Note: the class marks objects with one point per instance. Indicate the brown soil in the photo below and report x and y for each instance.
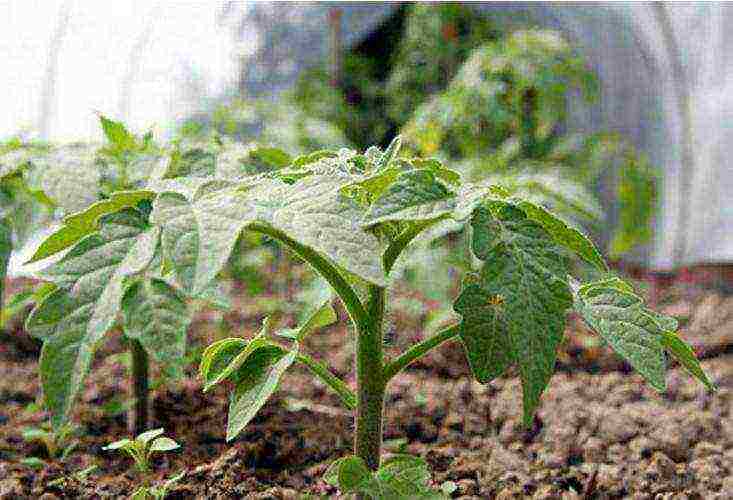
(600, 432)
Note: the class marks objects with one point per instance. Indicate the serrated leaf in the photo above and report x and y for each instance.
(414, 195)
(523, 281)
(258, 380)
(147, 436)
(75, 317)
(117, 133)
(77, 226)
(311, 211)
(565, 235)
(155, 314)
(624, 323)
(352, 474)
(683, 353)
(163, 444)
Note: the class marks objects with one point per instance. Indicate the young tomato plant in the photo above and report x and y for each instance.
(350, 216)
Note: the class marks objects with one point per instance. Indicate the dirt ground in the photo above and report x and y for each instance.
(600, 431)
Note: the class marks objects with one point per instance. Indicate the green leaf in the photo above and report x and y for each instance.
(484, 332)
(77, 226)
(164, 444)
(686, 357)
(147, 436)
(217, 356)
(73, 319)
(273, 157)
(122, 443)
(400, 476)
(390, 153)
(621, 320)
(525, 294)
(156, 315)
(222, 362)
(117, 134)
(258, 380)
(565, 235)
(310, 211)
(415, 195)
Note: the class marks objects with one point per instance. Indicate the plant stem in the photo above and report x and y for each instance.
(370, 384)
(138, 416)
(417, 351)
(528, 139)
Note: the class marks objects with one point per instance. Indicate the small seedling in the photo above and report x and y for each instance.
(141, 450)
(143, 446)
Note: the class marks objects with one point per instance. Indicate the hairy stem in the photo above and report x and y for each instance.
(370, 384)
(138, 417)
(417, 351)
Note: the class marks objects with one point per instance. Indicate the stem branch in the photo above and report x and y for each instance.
(417, 351)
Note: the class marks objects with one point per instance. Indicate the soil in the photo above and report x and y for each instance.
(600, 431)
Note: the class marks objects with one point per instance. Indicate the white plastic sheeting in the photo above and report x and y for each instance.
(148, 63)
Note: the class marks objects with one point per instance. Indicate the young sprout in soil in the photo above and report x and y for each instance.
(141, 450)
(350, 216)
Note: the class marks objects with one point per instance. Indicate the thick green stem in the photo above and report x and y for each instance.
(138, 417)
(370, 384)
(417, 351)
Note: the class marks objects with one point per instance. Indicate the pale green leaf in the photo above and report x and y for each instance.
(147, 436)
(163, 444)
(116, 133)
(621, 319)
(684, 354)
(122, 443)
(75, 317)
(565, 235)
(77, 226)
(414, 195)
(524, 288)
(311, 211)
(155, 314)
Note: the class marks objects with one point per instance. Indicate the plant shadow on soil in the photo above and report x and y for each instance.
(600, 432)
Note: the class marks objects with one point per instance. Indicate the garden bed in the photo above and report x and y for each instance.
(600, 431)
